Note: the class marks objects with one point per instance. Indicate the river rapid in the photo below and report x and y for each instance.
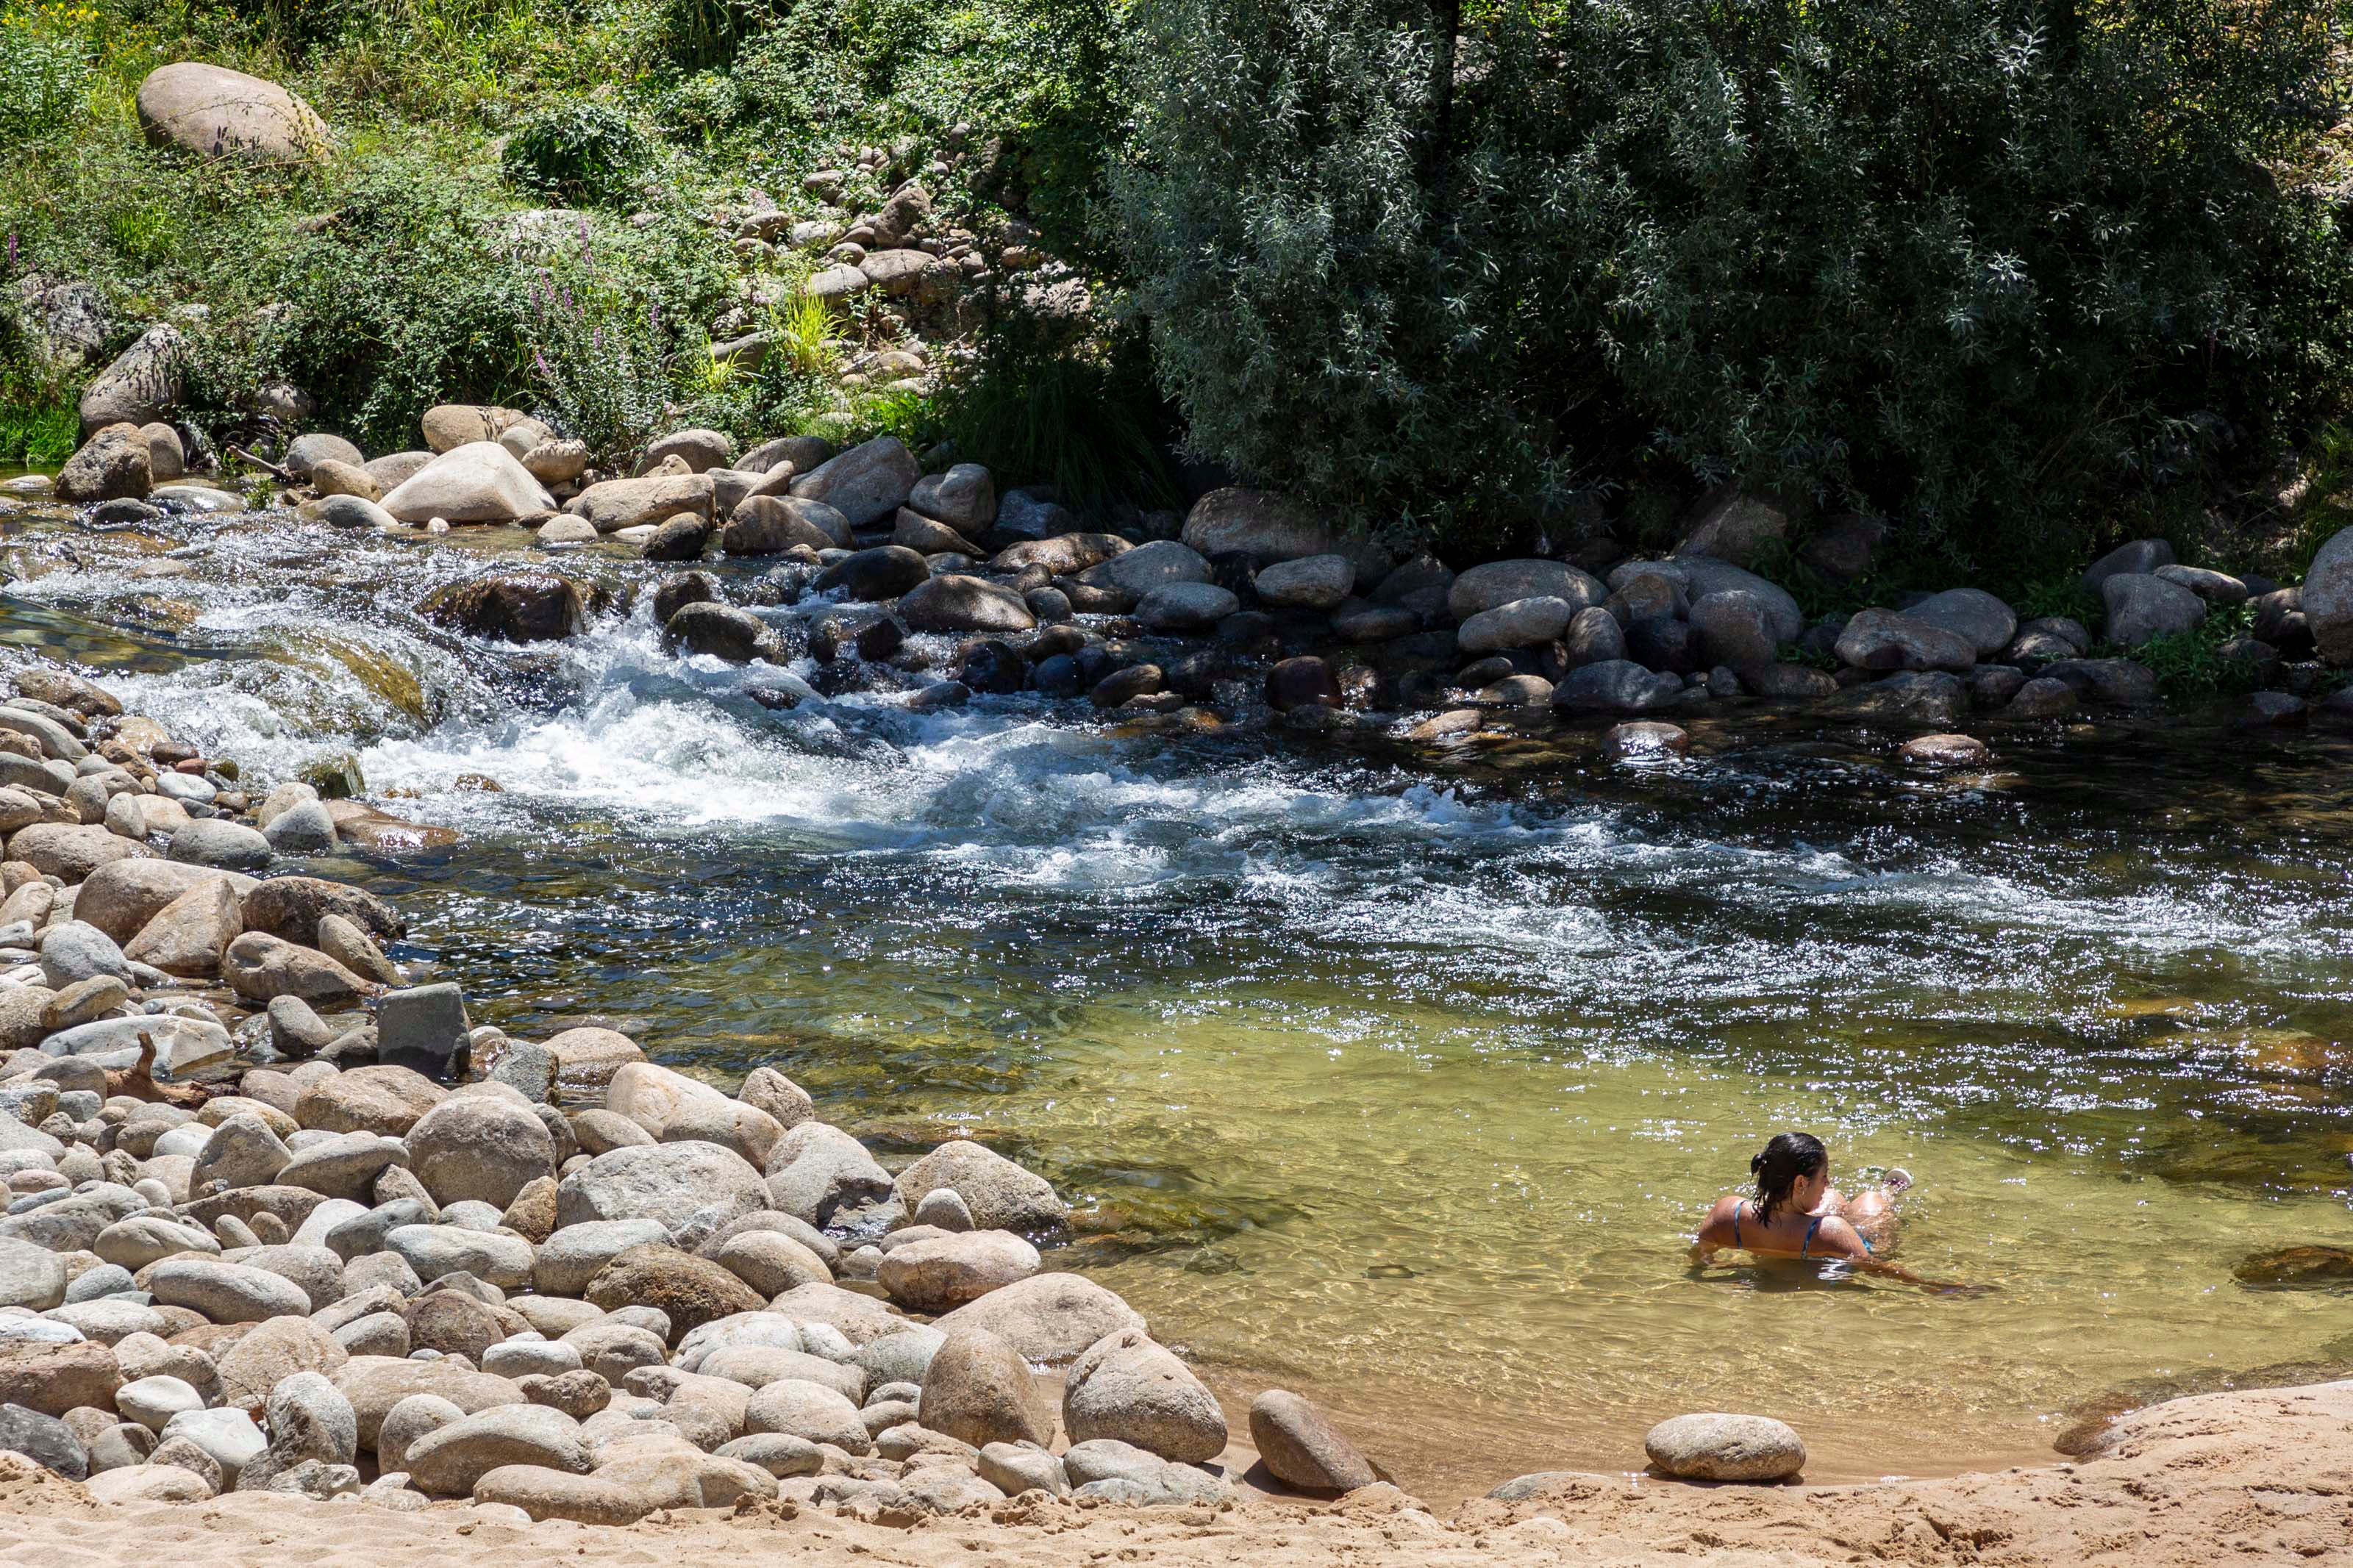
(1397, 1075)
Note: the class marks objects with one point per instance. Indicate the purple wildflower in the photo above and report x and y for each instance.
(540, 360)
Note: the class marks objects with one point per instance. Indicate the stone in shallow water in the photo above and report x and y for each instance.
(2316, 1267)
(1645, 740)
(1716, 1447)
(1943, 751)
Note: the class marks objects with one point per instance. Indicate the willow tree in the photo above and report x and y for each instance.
(1978, 264)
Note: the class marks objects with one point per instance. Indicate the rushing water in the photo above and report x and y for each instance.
(1399, 1077)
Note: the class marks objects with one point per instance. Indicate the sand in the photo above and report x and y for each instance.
(2253, 1477)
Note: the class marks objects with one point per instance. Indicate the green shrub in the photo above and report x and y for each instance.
(1083, 415)
(43, 75)
(1990, 267)
(2192, 665)
(37, 435)
(577, 150)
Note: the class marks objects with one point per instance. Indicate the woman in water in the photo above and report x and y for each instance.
(1796, 1213)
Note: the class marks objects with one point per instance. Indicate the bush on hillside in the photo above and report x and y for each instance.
(1986, 266)
(577, 150)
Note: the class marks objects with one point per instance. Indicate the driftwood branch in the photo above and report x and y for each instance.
(242, 455)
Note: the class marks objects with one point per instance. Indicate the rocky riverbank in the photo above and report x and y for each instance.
(282, 1221)
(873, 569)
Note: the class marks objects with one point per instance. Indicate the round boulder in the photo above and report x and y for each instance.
(1131, 1389)
(1712, 1446)
(482, 1147)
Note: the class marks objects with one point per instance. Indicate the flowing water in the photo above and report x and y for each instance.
(1399, 1077)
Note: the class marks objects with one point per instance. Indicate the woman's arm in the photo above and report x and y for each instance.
(1838, 1236)
(1714, 1231)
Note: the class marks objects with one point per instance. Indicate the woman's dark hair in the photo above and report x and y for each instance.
(1789, 1156)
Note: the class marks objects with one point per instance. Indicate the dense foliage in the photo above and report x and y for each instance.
(1986, 266)
(577, 150)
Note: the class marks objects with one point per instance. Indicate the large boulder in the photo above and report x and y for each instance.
(999, 1193)
(53, 1379)
(216, 112)
(723, 631)
(383, 1099)
(1128, 1388)
(31, 1276)
(226, 1292)
(111, 465)
(2326, 598)
(1733, 525)
(2141, 555)
(1885, 640)
(72, 852)
(669, 1183)
(123, 896)
(259, 967)
(1972, 613)
(481, 1147)
(1614, 686)
(965, 498)
(188, 936)
(1047, 1318)
(273, 1352)
(447, 1461)
(941, 1273)
(980, 1390)
(1265, 523)
(1500, 582)
(141, 384)
(515, 607)
(1137, 572)
(865, 484)
(2143, 607)
(816, 1172)
(616, 504)
(884, 572)
(480, 481)
(689, 1290)
(374, 1384)
(957, 603)
(771, 524)
(450, 426)
(292, 907)
(1521, 623)
(1302, 1449)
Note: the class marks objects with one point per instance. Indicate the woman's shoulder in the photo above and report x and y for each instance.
(1723, 1209)
(1833, 1231)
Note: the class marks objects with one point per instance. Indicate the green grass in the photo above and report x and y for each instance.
(37, 435)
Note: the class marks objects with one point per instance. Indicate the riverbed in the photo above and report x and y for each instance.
(1397, 1075)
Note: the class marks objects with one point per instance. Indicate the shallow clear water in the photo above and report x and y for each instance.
(1399, 1077)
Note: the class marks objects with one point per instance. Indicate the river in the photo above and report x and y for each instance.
(1399, 1075)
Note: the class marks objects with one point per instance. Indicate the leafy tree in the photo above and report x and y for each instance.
(1982, 265)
